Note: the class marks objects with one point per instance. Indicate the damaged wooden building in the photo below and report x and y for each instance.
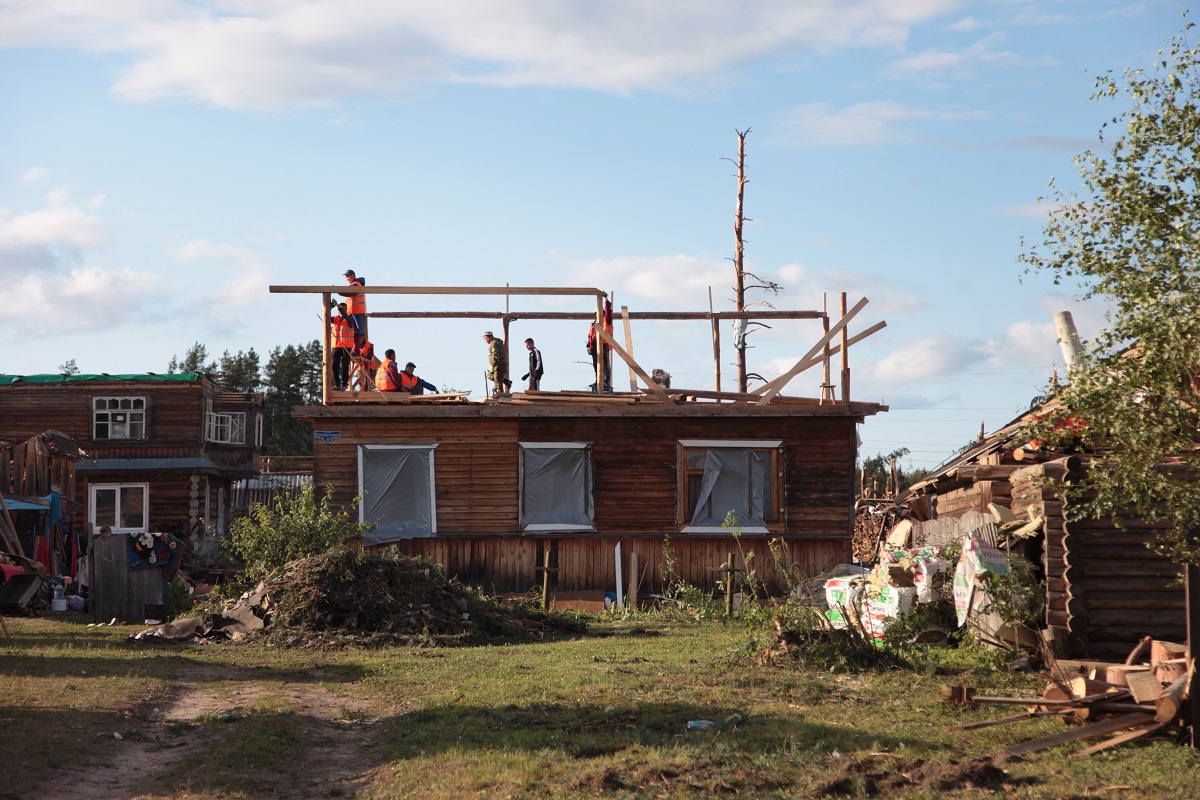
(491, 489)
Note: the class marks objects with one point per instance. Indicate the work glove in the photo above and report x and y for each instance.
(525, 377)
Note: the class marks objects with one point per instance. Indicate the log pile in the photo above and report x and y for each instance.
(1131, 701)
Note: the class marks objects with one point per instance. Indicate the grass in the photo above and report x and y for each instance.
(603, 715)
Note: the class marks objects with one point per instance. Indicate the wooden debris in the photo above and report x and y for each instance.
(1079, 734)
(1144, 687)
(1136, 654)
(1118, 674)
(1137, 732)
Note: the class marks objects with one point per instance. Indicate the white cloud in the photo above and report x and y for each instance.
(964, 63)
(930, 358)
(247, 284)
(1030, 210)
(47, 240)
(820, 125)
(33, 175)
(673, 282)
(968, 24)
(252, 54)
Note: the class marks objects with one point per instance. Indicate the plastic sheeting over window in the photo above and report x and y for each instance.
(738, 480)
(557, 487)
(396, 484)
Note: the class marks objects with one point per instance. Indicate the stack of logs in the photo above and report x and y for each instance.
(1132, 700)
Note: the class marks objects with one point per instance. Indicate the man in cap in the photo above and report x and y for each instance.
(497, 364)
(356, 304)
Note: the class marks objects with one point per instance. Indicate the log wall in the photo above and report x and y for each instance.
(635, 467)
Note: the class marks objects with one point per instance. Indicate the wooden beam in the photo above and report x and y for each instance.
(641, 373)
(1078, 734)
(716, 337)
(326, 360)
(629, 345)
(584, 316)
(448, 290)
(817, 348)
(845, 355)
(812, 362)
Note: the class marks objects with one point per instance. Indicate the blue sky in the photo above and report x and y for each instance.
(162, 162)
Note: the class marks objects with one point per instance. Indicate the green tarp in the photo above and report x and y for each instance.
(184, 377)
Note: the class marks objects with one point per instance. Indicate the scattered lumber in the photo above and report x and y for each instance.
(1136, 732)
(1135, 655)
(1118, 674)
(1171, 670)
(1144, 687)
(1166, 651)
(1082, 733)
(1170, 704)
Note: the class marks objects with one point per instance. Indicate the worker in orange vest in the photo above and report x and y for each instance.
(363, 363)
(342, 335)
(387, 378)
(409, 382)
(357, 303)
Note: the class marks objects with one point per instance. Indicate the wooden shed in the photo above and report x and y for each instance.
(489, 488)
(1105, 588)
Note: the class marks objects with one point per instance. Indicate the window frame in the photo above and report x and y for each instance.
(362, 505)
(108, 410)
(215, 420)
(546, 527)
(774, 521)
(120, 489)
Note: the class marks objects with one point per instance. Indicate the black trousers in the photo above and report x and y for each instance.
(341, 367)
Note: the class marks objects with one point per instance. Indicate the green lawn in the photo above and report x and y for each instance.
(601, 715)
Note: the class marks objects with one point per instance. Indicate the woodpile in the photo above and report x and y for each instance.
(1123, 702)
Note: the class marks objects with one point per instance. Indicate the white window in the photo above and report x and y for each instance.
(118, 418)
(122, 507)
(227, 428)
(556, 487)
(395, 482)
(729, 480)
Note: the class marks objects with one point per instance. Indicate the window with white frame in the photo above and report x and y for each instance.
(395, 482)
(728, 480)
(556, 486)
(227, 427)
(122, 507)
(118, 418)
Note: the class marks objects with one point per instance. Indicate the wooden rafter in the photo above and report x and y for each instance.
(628, 359)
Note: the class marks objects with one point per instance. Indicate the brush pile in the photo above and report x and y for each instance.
(345, 599)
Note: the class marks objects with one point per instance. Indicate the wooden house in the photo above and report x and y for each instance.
(1105, 588)
(37, 493)
(496, 489)
(162, 449)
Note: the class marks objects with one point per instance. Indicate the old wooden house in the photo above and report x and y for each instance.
(162, 449)
(37, 496)
(1105, 588)
(492, 488)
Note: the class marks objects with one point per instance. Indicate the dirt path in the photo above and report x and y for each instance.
(336, 732)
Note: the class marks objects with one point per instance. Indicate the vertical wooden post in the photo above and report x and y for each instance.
(845, 356)
(326, 360)
(632, 595)
(546, 577)
(629, 346)
(504, 323)
(599, 345)
(716, 334)
(826, 386)
(1192, 593)
(729, 573)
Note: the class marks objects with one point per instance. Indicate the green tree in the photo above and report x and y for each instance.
(1131, 237)
(68, 368)
(195, 359)
(292, 378)
(240, 372)
(290, 528)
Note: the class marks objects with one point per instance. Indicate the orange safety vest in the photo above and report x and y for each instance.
(383, 377)
(356, 303)
(343, 333)
(407, 382)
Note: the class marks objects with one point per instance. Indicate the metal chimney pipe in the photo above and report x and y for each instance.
(1068, 339)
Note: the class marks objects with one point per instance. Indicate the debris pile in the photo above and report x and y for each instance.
(1131, 701)
(342, 598)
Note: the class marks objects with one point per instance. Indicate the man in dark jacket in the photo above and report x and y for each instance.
(534, 376)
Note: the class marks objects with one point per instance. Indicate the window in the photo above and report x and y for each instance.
(227, 428)
(118, 418)
(556, 487)
(719, 478)
(121, 507)
(395, 482)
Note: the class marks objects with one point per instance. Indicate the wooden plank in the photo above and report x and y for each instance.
(586, 316)
(812, 362)
(769, 395)
(1078, 734)
(1136, 733)
(628, 359)
(629, 346)
(1144, 687)
(447, 290)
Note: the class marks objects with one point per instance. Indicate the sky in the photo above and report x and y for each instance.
(163, 162)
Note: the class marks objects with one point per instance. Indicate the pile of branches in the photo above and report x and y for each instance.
(344, 598)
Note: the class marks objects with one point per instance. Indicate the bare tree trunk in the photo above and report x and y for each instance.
(739, 270)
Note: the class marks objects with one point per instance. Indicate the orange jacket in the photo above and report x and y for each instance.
(356, 303)
(343, 333)
(384, 381)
